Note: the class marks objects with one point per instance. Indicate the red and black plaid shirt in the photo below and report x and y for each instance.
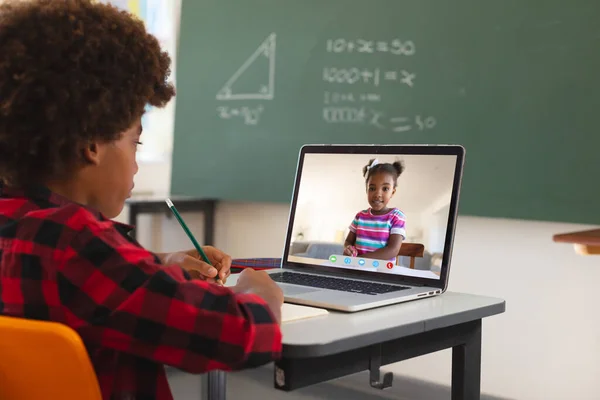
(60, 261)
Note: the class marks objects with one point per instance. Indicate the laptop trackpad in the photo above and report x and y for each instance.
(293, 290)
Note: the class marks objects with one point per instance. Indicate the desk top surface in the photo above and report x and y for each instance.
(338, 331)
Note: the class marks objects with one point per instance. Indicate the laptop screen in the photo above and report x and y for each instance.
(379, 213)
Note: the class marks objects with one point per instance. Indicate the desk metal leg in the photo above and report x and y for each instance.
(209, 223)
(132, 220)
(466, 366)
(214, 386)
(464, 340)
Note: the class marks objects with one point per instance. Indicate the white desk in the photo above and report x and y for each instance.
(328, 347)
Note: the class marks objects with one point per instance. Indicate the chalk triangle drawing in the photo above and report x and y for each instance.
(265, 53)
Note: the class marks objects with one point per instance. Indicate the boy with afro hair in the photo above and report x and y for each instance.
(75, 78)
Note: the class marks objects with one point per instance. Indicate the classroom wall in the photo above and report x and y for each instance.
(547, 344)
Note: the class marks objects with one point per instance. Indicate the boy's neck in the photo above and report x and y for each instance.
(69, 190)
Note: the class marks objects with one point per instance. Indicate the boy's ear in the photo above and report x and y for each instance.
(91, 153)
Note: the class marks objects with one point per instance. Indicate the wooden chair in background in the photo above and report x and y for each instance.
(411, 250)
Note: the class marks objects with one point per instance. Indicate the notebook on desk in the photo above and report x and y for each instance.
(356, 194)
(293, 312)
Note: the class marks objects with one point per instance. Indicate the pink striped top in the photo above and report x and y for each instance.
(373, 231)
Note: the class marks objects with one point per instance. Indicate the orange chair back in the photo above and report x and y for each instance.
(44, 360)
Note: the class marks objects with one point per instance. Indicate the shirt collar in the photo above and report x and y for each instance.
(45, 198)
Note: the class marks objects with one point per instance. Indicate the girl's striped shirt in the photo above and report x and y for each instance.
(373, 231)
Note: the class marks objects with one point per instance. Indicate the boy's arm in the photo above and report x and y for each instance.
(116, 296)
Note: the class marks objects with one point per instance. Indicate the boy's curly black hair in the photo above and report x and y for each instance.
(71, 71)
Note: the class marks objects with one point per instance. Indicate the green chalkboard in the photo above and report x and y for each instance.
(517, 82)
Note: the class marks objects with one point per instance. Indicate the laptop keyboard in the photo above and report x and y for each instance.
(343, 285)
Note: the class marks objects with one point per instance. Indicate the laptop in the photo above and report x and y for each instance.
(360, 235)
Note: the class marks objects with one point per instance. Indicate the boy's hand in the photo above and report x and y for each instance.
(192, 262)
(261, 284)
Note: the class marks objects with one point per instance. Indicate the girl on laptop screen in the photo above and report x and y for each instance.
(378, 231)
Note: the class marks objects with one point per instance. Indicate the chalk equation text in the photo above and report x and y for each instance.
(349, 97)
(373, 76)
(385, 121)
(368, 46)
(250, 115)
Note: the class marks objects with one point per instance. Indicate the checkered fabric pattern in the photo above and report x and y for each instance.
(60, 261)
